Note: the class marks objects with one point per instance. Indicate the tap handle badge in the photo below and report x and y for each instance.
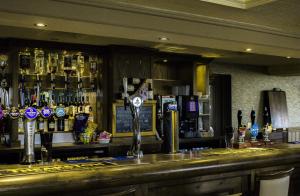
(46, 112)
(60, 112)
(31, 113)
(14, 113)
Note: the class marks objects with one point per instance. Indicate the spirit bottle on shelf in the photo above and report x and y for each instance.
(91, 114)
(80, 105)
(53, 63)
(66, 117)
(87, 105)
(24, 61)
(39, 61)
(72, 113)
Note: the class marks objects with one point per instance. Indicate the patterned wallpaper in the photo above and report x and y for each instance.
(248, 82)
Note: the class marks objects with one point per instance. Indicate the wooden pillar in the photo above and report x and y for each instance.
(14, 70)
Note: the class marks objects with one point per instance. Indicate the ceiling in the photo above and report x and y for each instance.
(243, 4)
(271, 29)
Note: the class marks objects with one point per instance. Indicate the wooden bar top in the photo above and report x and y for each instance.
(124, 171)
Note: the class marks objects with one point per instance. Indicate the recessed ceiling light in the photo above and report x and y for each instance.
(40, 24)
(288, 57)
(248, 49)
(165, 60)
(163, 38)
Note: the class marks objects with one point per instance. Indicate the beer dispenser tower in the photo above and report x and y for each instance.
(30, 114)
(135, 102)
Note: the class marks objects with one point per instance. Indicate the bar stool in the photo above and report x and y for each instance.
(274, 183)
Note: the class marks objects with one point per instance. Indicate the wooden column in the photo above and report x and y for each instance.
(14, 67)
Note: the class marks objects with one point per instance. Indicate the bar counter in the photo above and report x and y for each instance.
(212, 171)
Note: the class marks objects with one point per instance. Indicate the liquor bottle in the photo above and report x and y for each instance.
(39, 61)
(66, 117)
(72, 113)
(91, 114)
(87, 105)
(24, 61)
(53, 62)
(80, 105)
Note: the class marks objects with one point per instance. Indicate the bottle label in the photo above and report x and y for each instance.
(31, 113)
(60, 112)
(46, 112)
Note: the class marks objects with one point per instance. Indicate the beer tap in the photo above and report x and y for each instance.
(46, 135)
(30, 114)
(254, 126)
(135, 102)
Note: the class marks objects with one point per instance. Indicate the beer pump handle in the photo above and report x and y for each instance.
(252, 116)
(239, 117)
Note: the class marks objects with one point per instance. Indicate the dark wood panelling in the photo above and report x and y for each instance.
(278, 108)
(222, 104)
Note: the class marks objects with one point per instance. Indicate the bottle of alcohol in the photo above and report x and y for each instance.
(91, 114)
(87, 105)
(80, 105)
(72, 113)
(66, 117)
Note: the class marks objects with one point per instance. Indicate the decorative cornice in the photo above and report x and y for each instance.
(154, 11)
(243, 4)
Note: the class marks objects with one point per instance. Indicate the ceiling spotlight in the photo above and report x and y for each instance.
(165, 60)
(163, 38)
(40, 24)
(288, 57)
(248, 49)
